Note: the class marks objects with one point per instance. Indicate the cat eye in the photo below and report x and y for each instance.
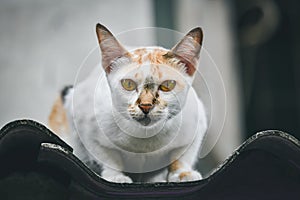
(128, 84)
(167, 86)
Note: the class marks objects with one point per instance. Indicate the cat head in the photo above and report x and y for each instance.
(149, 85)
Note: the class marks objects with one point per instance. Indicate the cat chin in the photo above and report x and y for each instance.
(146, 121)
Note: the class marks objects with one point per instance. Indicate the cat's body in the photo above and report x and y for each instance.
(141, 120)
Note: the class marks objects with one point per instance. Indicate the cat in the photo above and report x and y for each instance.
(137, 118)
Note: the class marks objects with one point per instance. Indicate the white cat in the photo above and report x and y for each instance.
(140, 120)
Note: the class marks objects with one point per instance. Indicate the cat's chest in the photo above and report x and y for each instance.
(158, 142)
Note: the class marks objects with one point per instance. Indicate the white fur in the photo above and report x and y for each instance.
(100, 133)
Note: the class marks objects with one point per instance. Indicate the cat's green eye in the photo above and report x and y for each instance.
(167, 86)
(128, 84)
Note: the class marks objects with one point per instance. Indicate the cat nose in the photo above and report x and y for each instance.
(146, 107)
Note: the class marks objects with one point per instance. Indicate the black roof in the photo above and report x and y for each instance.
(36, 164)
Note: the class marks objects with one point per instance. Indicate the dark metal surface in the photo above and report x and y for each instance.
(36, 164)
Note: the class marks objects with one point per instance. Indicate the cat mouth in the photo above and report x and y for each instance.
(145, 121)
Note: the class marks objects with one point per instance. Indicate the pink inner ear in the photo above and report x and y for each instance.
(190, 67)
(188, 50)
(110, 47)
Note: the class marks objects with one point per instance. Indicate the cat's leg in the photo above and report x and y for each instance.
(116, 176)
(181, 169)
(111, 168)
(109, 157)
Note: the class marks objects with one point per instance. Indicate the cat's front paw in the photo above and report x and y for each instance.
(184, 176)
(120, 178)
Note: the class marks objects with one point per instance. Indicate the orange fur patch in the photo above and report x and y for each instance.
(159, 74)
(146, 97)
(58, 118)
(184, 174)
(157, 56)
(175, 166)
(138, 55)
(154, 57)
(160, 56)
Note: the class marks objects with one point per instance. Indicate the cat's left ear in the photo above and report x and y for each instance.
(188, 50)
(110, 47)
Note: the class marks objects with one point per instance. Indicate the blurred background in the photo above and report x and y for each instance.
(254, 44)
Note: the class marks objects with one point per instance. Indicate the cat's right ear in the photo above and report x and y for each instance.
(110, 47)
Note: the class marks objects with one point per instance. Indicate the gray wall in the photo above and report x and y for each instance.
(216, 20)
(43, 43)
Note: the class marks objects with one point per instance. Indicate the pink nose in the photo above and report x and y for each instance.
(146, 107)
